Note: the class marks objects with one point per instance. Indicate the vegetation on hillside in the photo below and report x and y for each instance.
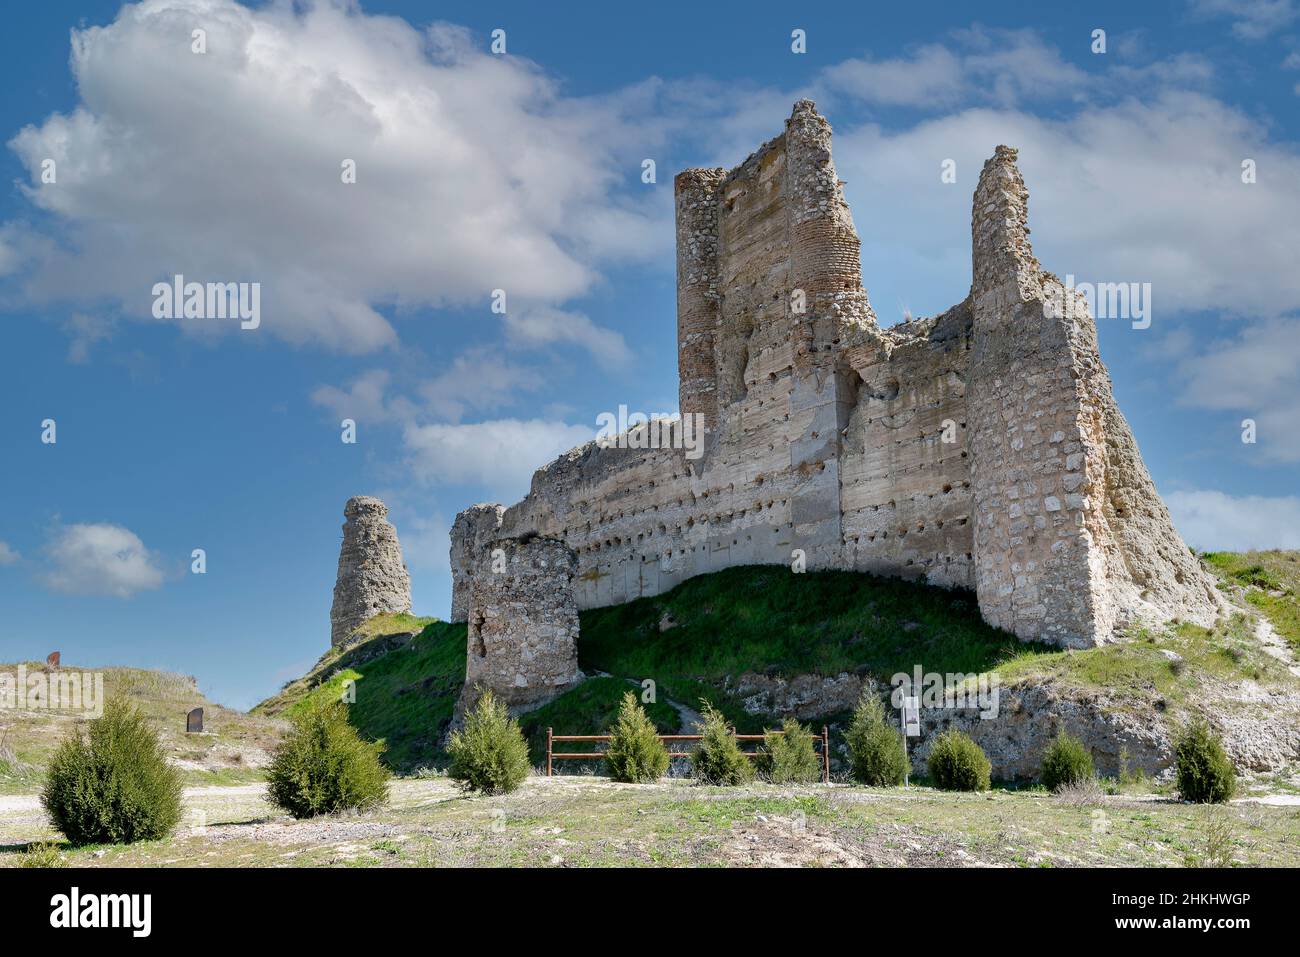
(404, 686)
(1268, 580)
(231, 743)
(697, 638)
(768, 619)
(590, 708)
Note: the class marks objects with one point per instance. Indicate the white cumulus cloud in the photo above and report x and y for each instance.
(1215, 521)
(100, 559)
(472, 171)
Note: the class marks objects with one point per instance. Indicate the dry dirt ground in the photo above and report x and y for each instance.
(590, 821)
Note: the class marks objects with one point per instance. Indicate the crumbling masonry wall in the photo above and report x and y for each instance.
(980, 448)
(522, 622)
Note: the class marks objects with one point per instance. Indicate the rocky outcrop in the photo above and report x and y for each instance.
(803, 697)
(372, 579)
(1118, 729)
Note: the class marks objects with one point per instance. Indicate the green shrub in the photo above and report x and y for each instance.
(324, 766)
(635, 754)
(489, 754)
(791, 755)
(718, 759)
(877, 751)
(1066, 762)
(1203, 772)
(112, 784)
(958, 764)
(41, 854)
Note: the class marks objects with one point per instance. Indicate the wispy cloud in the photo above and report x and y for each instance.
(1251, 19)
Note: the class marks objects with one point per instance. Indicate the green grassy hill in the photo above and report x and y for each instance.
(694, 640)
(232, 748)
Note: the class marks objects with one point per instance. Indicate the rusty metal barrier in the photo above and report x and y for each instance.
(552, 755)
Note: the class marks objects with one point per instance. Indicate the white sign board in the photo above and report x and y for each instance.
(912, 717)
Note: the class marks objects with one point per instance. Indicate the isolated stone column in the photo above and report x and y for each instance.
(372, 578)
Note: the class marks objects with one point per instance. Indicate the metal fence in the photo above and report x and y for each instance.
(552, 755)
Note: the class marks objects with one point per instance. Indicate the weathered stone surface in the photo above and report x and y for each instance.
(523, 623)
(1030, 715)
(372, 578)
(470, 533)
(802, 697)
(980, 448)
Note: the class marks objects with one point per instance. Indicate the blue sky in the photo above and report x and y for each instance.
(523, 172)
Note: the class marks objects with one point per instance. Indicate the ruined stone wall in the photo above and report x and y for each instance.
(1072, 541)
(522, 622)
(372, 579)
(470, 533)
(905, 496)
(980, 448)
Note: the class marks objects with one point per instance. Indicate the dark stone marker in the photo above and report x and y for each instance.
(194, 720)
(52, 661)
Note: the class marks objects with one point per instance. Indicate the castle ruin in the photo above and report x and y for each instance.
(372, 578)
(981, 448)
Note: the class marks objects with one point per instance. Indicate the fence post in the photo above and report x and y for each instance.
(549, 736)
(826, 755)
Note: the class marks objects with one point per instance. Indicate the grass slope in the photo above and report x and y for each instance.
(590, 708)
(1268, 580)
(768, 619)
(712, 628)
(407, 671)
(230, 750)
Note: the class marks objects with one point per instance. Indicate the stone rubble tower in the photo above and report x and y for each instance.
(372, 578)
(522, 623)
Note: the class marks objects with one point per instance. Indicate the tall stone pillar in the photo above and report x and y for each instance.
(372, 579)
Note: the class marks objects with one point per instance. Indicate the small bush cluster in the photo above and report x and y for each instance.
(1067, 762)
(1202, 770)
(718, 759)
(958, 764)
(635, 754)
(111, 784)
(324, 766)
(489, 754)
(877, 752)
(791, 755)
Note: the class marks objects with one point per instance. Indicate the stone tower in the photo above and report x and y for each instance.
(372, 578)
(522, 622)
